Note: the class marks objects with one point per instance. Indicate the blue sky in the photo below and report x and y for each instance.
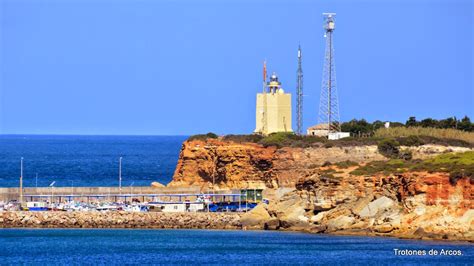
(184, 67)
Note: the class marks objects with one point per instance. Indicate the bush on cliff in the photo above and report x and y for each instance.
(287, 139)
(253, 138)
(279, 139)
(389, 148)
(209, 135)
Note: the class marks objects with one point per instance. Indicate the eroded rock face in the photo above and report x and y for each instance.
(411, 205)
(241, 165)
(414, 204)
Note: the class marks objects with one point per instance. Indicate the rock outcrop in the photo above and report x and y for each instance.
(410, 205)
(241, 165)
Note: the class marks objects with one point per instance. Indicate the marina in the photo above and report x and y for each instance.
(222, 201)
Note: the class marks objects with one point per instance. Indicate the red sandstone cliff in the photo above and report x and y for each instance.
(413, 204)
(239, 165)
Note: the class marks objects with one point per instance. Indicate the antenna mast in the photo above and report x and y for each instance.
(264, 111)
(329, 106)
(299, 94)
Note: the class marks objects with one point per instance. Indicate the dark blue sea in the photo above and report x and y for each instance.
(88, 160)
(122, 246)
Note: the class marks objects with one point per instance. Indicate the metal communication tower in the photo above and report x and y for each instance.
(329, 106)
(299, 94)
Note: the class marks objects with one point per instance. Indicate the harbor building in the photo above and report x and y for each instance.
(273, 112)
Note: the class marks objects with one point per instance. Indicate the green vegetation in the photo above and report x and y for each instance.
(412, 134)
(254, 138)
(284, 139)
(345, 164)
(209, 135)
(421, 135)
(389, 148)
(458, 165)
(466, 158)
(363, 128)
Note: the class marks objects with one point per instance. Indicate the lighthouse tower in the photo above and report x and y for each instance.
(273, 112)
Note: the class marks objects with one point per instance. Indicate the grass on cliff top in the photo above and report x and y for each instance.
(450, 134)
(458, 165)
(285, 139)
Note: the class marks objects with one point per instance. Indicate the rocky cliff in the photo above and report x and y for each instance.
(411, 205)
(307, 194)
(229, 164)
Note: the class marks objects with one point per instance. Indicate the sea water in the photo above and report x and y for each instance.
(88, 160)
(136, 246)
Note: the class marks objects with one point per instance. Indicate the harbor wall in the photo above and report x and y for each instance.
(187, 220)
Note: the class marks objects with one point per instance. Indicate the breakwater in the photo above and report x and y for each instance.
(187, 220)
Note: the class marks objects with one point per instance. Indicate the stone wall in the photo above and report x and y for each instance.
(120, 220)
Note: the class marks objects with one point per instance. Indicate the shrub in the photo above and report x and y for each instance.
(278, 139)
(328, 145)
(209, 135)
(254, 138)
(326, 163)
(389, 148)
(411, 141)
(286, 139)
(346, 164)
(405, 155)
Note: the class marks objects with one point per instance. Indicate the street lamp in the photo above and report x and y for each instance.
(52, 186)
(21, 181)
(120, 174)
(72, 189)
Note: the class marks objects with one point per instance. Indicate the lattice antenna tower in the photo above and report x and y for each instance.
(299, 94)
(329, 104)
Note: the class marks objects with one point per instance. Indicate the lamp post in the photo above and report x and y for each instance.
(52, 187)
(120, 174)
(21, 181)
(72, 189)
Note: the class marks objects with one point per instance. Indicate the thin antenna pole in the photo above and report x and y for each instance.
(299, 94)
(264, 112)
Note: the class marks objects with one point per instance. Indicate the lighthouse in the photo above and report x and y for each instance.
(273, 112)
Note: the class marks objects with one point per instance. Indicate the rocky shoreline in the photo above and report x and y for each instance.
(259, 219)
(196, 220)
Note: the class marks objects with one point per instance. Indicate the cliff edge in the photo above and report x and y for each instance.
(342, 189)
